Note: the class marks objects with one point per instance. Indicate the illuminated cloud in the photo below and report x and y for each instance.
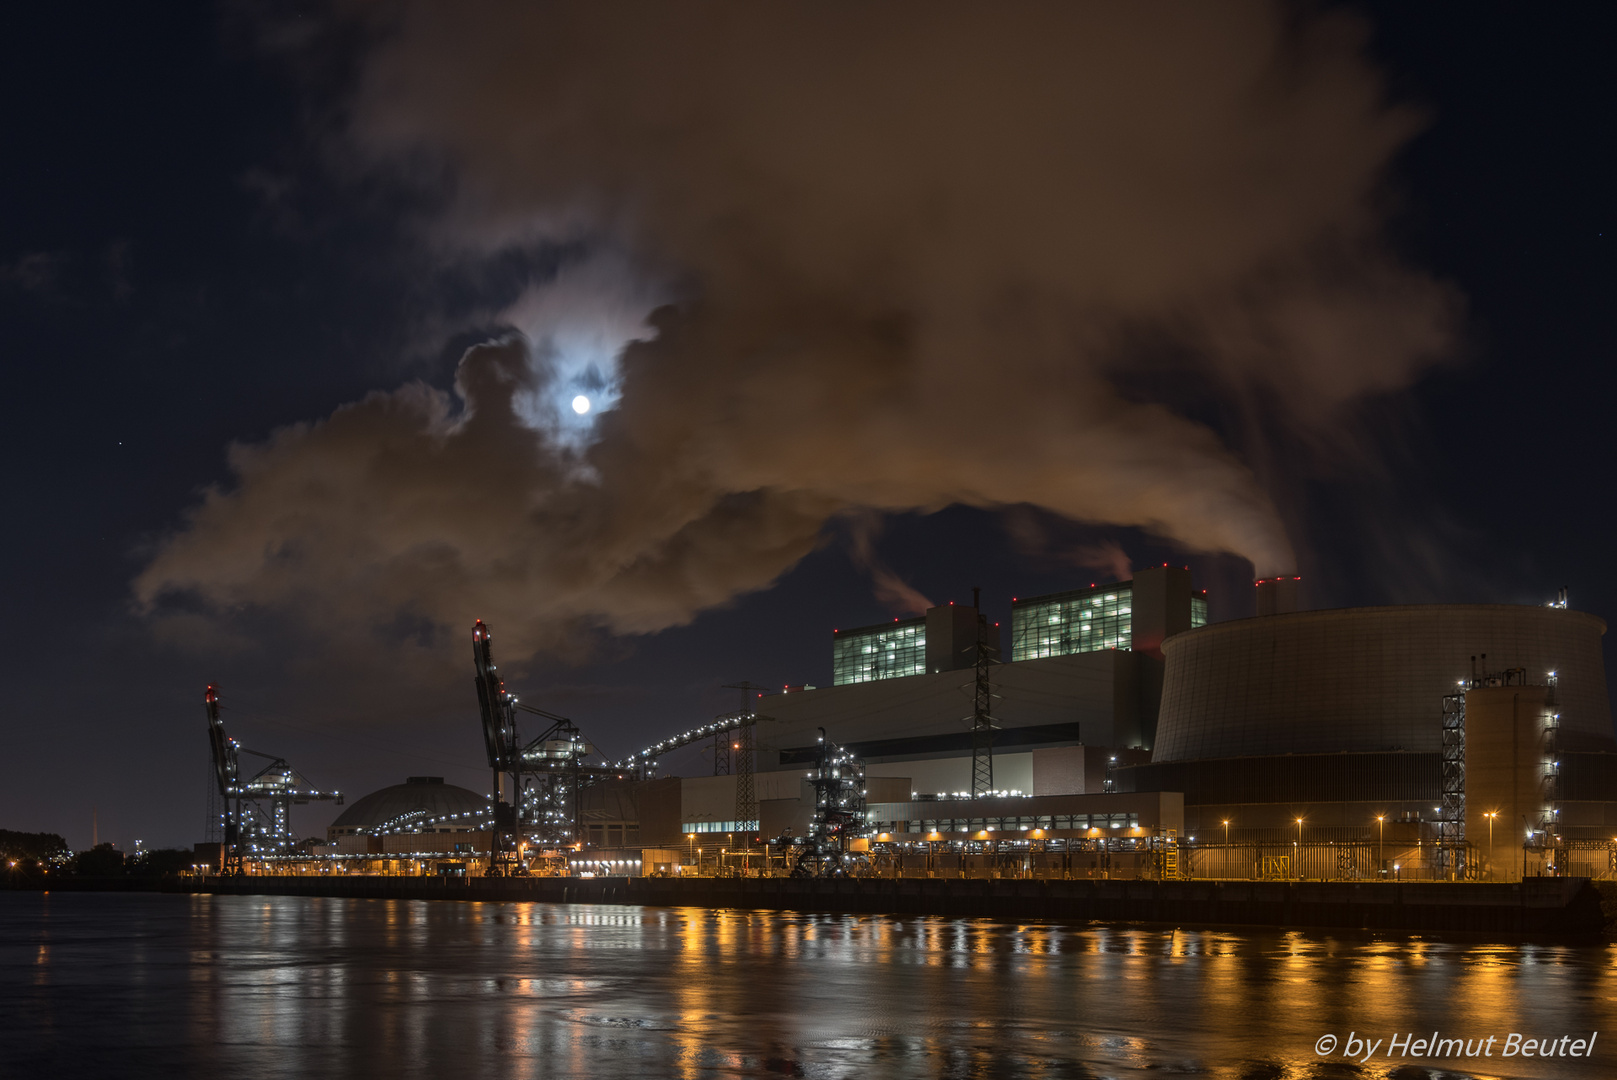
(907, 257)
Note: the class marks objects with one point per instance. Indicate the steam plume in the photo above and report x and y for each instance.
(906, 251)
(1108, 556)
(892, 590)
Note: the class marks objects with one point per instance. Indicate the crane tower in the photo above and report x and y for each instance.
(257, 810)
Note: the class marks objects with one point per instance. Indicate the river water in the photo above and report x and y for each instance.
(114, 985)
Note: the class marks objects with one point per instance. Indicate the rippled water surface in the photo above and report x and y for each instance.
(134, 985)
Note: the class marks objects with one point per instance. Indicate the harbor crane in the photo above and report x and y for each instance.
(543, 778)
(257, 810)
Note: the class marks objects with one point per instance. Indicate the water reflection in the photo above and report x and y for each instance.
(132, 985)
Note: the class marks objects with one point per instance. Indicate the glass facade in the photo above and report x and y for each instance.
(1198, 611)
(710, 826)
(1063, 822)
(887, 651)
(1087, 620)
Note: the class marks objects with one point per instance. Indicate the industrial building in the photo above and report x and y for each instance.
(1471, 740)
(1084, 681)
(1332, 723)
(421, 806)
(420, 826)
(1139, 615)
(944, 639)
(1078, 703)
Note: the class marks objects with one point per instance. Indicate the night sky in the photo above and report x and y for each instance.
(223, 220)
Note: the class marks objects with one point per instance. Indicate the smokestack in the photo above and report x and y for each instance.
(1278, 595)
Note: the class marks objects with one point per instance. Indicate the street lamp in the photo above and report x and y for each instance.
(1226, 832)
(1381, 843)
(1490, 816)
(1299, 849)
(1524, 847)
(692, 838)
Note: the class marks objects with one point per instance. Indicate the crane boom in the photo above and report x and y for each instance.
(257, 809)
(504, 748)
(546, 775)
(226, 766)
(499, 720)
(227, 771)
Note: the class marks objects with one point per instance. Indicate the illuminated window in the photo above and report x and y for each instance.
(1198, 611)
(1087, 620)
(886, 651)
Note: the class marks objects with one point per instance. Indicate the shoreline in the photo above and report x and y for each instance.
(1561, 907)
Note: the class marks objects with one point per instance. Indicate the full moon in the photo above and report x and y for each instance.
(581, 404)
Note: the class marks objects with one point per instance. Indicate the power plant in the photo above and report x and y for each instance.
(1125, 736)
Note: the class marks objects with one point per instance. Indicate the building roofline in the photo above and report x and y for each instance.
(1067, 594)
(1292, 617)
(917, 620)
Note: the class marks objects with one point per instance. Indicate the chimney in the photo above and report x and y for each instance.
(1278, 595)
(1160, 599)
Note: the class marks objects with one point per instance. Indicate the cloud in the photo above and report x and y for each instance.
(577, 323)
(904, 255)
(1031, 535)
(37, 271)
(1108, 555)
(421, 503)
(891, 590)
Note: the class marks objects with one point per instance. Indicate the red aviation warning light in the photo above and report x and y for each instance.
(1279, 595)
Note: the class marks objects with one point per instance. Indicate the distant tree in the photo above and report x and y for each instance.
(32, 846)
(162, 862)
(103, 860)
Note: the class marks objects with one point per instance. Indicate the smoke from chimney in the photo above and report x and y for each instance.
(820, 261)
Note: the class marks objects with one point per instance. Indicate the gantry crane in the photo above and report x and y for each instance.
(544, 777)
(258, 810)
